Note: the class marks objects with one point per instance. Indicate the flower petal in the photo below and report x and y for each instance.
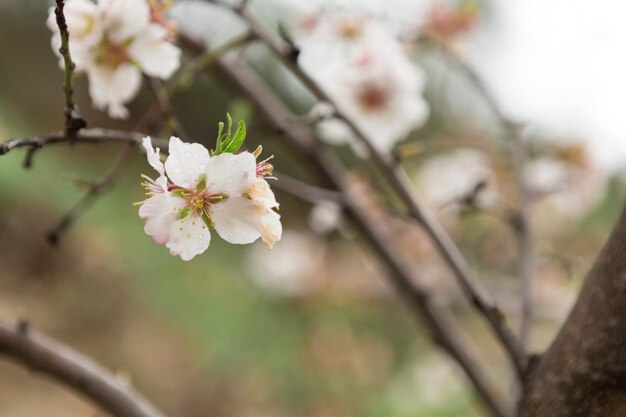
(271, 228)
(261, 194)
(154, 156)
(186, 162)
(112, 88)
(189, 237)
(124, 18)
(155, 55)
(230, 174)
(160, 212)
(237, 220)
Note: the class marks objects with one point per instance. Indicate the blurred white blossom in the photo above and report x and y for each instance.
(566, 191)
(113, 42)
(433, 381)
(445, 180)
(360, 63)
(290, 269)
(325, 217)
(202, 192)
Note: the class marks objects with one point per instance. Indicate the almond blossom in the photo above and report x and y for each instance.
(196, 192)
(114, 42)
(362, 66)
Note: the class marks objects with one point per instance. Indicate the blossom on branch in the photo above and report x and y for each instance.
(114, 42)
(197, 191)
(362, 66)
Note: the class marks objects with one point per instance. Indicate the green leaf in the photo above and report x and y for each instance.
(218, 144)
(235, 143)
(227, 142)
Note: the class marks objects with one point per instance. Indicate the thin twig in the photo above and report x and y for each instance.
(87, 136)
(307, 192)
(445, 333)
(399, 181)
(95, 190)
(73, 121)
(519, 155)
(167, 110)
(38, 353)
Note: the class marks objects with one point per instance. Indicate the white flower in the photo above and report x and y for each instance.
(360, 63)
(445, 180)
(291, 270)
(113, 42)
(325, 217)
(196, 192)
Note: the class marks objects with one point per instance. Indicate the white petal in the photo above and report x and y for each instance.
(231, 174)
(154, 155)
(82, 21)
(160, 212)
(237, 220)
(271, 228)
(186, 162)
(189, 237)
(123, 19)
(261, 193)
(112, 88)
(156, 56)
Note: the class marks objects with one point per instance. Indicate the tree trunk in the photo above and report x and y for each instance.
(583, 372)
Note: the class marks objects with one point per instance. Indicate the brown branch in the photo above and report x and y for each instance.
(445, 333)
(38, 353)
(397, 178)
(583, 372)
(519, 155)
(307, 192)
(95, 190)
(87, 136)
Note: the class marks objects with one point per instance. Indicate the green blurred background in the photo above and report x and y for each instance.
(230, 333)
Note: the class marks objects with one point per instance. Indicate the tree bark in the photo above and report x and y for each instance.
(583, 372)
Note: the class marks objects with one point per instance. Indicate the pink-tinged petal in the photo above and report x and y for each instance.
(124, 18)
(230, 174)
(160, 212)
(154, 155)
(112, 88)
(271, 228)
(237, 220)
(186, 162)
(156, 56)
(261, 194)
(189, 237)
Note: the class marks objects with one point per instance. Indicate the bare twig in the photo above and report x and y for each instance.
(87, 136)
(397, 178)
(519, 155)
(38, 353)
(97, 188)
(167, 110)
(73, 121)
(444, 331)
(307, 192)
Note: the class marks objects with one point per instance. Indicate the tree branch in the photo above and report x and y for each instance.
(73, 121)
(397, 178)
(38, 353)
(87, 136)
(519, 155)
(445, 333)
(583, 372)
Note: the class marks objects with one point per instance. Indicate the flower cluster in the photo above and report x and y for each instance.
(197, 191)
(113, 42)
(361, 64)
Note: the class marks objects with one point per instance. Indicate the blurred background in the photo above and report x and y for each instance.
(311, 328)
